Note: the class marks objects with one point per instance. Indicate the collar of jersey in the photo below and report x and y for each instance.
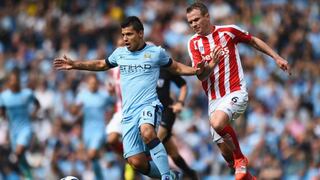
(145, 44)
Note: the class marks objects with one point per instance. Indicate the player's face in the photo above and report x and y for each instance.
(14, 82)
(132, 38)
(198, 22)
(93, 84)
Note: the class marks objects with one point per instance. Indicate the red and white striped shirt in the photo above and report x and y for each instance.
(116, 77)
(227, 76)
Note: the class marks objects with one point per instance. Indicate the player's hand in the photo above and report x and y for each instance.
(200, 67)
(177, 107)
(215, 54)
(63, 63)
(283, 64)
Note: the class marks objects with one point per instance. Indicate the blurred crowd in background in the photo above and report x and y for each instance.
(280, 131)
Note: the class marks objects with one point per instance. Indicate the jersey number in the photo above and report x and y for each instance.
(147, 113)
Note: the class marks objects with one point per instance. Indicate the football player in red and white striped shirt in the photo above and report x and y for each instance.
(225, 86)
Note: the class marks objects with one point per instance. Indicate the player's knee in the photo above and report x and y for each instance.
(162, 133)
(92, 154)
(216, 125)
(148, 134)
(113, 138)
(219, 120)
(138, 165)
(20, 150)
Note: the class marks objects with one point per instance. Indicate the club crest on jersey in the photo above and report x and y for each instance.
(147, 56)
(223, 40)
(201, 49)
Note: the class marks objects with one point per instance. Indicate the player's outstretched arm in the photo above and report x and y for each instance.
(181, 69)
(65, 63)
(263, 47)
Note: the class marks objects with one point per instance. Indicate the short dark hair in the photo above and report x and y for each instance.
(200, 6)
(15, 71)
(133, 21)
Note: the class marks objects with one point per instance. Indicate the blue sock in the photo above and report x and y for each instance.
(153, 171)
(159, 156)
(97, 169)
(24, 167)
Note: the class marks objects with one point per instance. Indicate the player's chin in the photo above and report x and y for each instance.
(128, 47)
(200, 32)
(197, 30)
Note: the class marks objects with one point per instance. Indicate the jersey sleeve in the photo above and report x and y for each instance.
(112, 59)
(240, 34)
(194, 52)
(164, 59)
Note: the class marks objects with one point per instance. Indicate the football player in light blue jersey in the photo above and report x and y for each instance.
(92, 104)
(139, 65)
(15, 105)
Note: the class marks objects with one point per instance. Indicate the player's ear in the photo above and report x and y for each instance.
(207, 15)
(140, 33)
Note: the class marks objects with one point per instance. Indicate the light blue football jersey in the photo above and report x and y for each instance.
(17, 107)
(94, 108)
(139, 73)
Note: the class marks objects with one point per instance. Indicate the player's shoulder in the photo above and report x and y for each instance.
(26, 91)
(5, 93)
(152, 47)
(227, 27)
(120, 49)
(83, 92)
(103, 92)
(194, 37)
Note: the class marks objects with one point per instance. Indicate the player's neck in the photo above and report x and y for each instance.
(94, 90)
(141, 46)
(15, 89)
(208, 29)
(207, 32)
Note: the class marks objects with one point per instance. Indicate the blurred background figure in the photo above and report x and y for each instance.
(91, 106)
(280, 128)
(16, 106)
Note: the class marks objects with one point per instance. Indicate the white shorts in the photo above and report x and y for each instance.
(233, 104)
(114, 126)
